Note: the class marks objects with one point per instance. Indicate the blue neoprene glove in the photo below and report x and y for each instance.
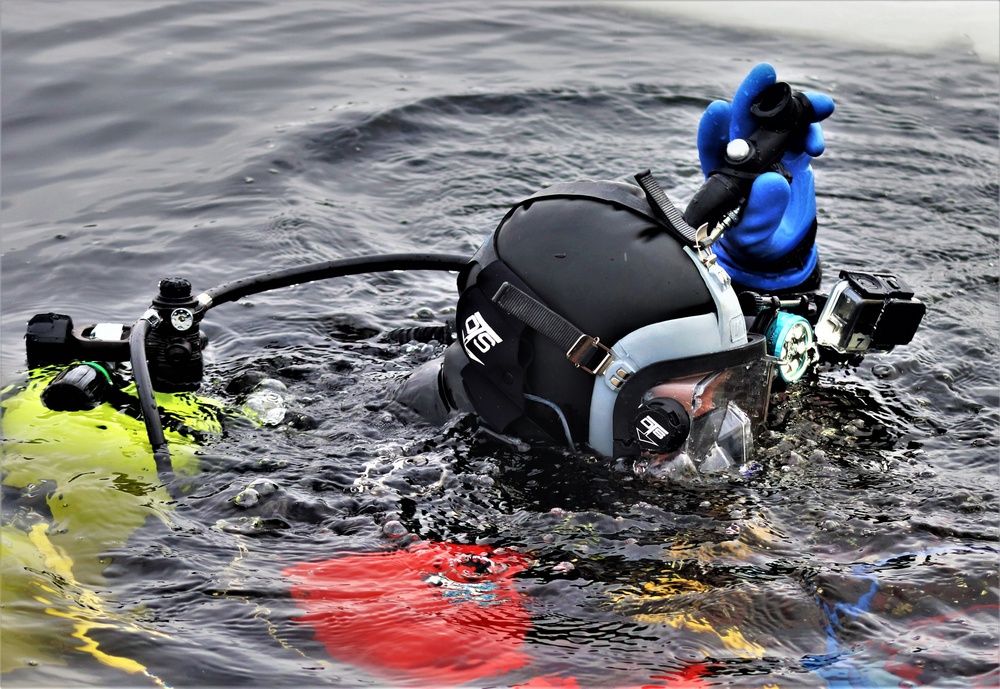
(772, 248)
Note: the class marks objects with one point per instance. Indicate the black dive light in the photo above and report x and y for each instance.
(782, 116)
(51, 339)
(79, 387)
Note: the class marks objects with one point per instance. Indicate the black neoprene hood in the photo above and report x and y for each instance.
(596, 254)
(603, 267)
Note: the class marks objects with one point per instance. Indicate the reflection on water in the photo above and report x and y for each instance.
(916, 26)
(219, 141)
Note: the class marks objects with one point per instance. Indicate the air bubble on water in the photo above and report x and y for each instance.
(817, 456)
(266, 403)
(394, 529)
(884, 371)
(678, 468)
(263, 486)
(247, 498)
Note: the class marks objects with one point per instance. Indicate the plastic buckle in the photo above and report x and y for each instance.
(585, 347)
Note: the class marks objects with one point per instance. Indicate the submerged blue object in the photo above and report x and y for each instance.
(772, 247)
(839, 666)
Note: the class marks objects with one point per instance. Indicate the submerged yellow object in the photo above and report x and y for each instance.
(673, 600)
(76, 486)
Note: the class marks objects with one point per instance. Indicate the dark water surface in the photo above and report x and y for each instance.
(217, 140)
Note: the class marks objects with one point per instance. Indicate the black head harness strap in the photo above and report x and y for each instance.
(583, 351)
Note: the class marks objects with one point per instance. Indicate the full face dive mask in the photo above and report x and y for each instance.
(587, 317)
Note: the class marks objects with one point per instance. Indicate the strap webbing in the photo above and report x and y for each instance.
(667, 211)
(582, 350)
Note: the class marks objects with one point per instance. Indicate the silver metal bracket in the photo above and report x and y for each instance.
(583, 348)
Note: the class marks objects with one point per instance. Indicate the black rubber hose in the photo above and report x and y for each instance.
(255, 284)
(443, 334)
(237, 289)
(147, 398)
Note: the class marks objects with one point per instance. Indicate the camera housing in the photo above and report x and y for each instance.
(868, 311)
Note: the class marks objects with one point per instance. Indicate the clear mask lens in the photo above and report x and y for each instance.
(724, 409)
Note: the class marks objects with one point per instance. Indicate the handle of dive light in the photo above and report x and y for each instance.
(782, 116)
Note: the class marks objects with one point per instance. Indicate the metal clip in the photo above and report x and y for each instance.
(705, 238)
(583, 348)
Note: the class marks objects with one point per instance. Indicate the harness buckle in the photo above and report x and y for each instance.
(585, 349)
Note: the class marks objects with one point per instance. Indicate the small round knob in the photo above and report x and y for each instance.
(738, 150)
(175, 288)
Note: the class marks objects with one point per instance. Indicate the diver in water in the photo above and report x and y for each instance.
(596, 314)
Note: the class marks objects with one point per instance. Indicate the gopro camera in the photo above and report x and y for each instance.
(868, 311)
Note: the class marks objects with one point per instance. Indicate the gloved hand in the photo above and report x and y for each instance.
(772, 248)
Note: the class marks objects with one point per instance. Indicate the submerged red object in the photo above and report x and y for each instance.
(441, 612)
(687, 677)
